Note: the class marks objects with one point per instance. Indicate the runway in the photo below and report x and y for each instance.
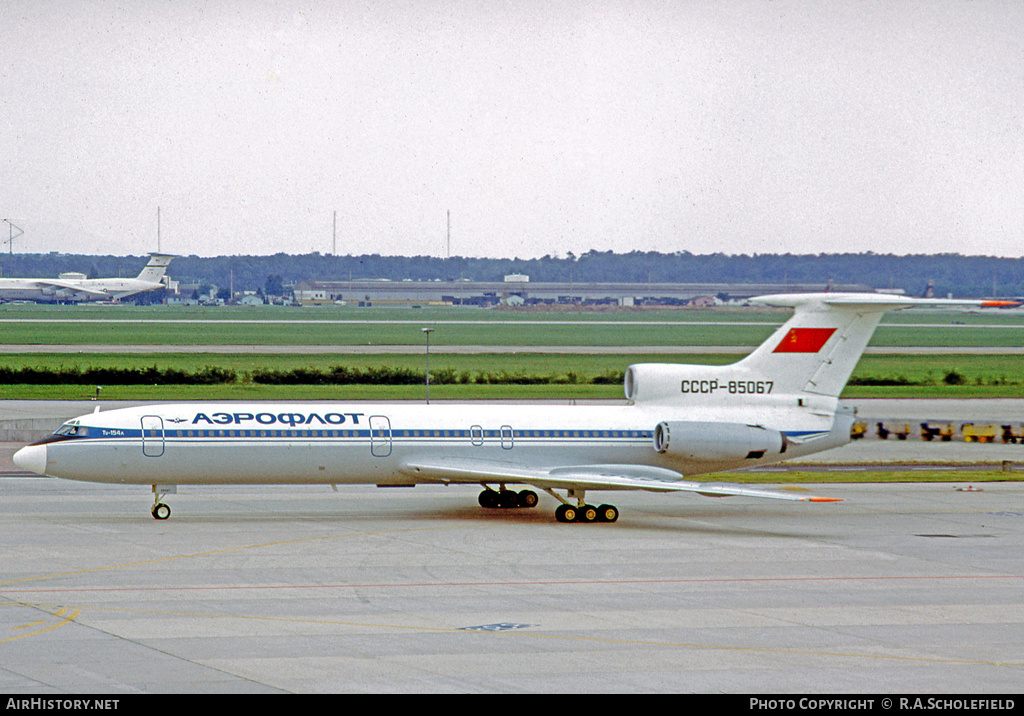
(899, 589)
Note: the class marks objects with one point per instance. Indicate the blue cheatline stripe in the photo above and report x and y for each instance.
(395, 433)
(93, 433)
(805, 434)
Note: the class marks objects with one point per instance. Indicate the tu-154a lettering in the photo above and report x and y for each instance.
(679, 422)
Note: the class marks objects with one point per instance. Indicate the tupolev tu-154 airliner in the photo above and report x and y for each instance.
(680, 421)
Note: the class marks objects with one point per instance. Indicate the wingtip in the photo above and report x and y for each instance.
(824, 499)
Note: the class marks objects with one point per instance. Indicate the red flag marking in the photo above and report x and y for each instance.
(804, 340)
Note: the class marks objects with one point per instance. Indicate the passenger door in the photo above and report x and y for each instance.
(380, 436)
(152, 435)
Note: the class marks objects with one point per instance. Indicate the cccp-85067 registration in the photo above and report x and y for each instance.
(733, 387)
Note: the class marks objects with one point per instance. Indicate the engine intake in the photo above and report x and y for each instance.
(716, 442)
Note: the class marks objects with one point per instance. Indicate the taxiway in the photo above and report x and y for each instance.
(900, 588)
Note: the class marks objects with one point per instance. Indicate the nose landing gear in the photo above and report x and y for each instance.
(160, 510)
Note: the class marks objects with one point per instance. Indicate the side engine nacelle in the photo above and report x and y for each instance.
(717, 442)
(652, 381)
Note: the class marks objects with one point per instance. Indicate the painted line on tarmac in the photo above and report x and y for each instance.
(524, 633)
(526, 583)
(67, 618)
(227, 550)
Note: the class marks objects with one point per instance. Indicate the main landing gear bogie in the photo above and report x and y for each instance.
(508, 499)
(586, 513)
(581, 512)
(566, 512)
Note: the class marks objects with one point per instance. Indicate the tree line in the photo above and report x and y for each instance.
(962, 276)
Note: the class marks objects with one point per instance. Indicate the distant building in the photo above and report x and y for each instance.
(371, 292)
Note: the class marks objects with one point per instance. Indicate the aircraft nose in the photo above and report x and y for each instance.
(32, 458)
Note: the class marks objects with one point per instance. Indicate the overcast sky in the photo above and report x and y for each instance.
(544, 126)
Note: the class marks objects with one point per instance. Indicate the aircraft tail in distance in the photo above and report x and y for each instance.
(156, 268)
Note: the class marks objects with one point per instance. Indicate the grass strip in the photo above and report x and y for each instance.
(868, 475)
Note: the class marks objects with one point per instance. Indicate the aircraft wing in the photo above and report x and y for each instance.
(71, 286)
(587, 477)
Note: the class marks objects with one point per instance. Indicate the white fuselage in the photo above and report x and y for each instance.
(375, 443)
(74, 287)
(98, 289)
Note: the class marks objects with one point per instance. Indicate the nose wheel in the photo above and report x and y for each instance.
(159, 510)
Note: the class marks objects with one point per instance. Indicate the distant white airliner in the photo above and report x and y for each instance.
(781, 401)
(76, 288)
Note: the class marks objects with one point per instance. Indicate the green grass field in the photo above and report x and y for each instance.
(275, 325)
(982, 375)
(877, 476)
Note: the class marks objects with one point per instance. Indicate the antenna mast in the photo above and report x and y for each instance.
(13, 235)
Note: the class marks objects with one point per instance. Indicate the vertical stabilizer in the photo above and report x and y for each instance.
(816, 350)
(156, 268)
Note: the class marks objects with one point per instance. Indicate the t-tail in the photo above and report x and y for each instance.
(156, 268)
(805, 364)
(814, 353)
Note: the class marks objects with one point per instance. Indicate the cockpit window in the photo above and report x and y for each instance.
(70, 430)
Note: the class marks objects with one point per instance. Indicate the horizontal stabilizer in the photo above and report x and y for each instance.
(874, 301)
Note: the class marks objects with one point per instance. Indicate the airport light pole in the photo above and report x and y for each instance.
(428, 331)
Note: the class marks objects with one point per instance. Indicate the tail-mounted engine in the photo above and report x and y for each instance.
(716, 442)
